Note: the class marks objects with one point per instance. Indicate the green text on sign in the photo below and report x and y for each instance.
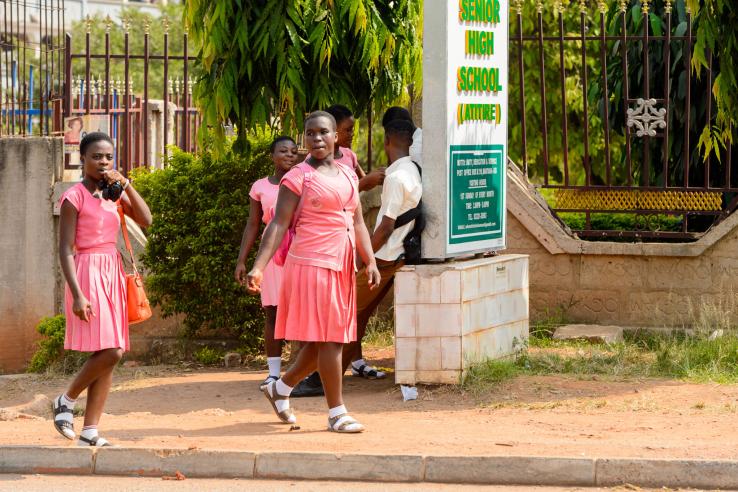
(475, 192)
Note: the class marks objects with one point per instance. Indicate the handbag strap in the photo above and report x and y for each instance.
(124, 230)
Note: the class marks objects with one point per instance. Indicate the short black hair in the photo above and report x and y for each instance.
(281, 138)
(339, 112)
(401, 129)
(397, 113)
(320, 114)
(93, 137)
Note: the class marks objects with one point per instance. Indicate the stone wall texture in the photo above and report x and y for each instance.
(29, 287)
(628, 284)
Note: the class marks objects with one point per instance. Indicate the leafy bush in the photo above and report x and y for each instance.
(200, 206)
(208, 356)
(51, 355)
(623, 222)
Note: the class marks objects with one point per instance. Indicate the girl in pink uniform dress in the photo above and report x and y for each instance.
(95, 299)
(345, 122)
(317, 303)
(263, 197)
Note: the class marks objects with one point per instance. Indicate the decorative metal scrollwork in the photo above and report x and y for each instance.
(646, 118)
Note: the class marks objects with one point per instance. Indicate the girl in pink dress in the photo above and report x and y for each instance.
(263, 197)
(95, 299)
(343, 154)
(317, 303)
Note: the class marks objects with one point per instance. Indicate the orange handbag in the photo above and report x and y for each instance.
(138, 304)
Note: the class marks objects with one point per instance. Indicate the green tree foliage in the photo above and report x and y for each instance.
(717, 33)
(261, 60)
(551, 88)
(137, 22)
(200, 206)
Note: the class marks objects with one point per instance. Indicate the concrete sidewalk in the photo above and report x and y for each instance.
(531, 430)
(488, 470)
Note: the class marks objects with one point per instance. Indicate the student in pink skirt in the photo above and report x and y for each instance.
(345, 122)
(263, 197)
(317, 302)
(95, 299)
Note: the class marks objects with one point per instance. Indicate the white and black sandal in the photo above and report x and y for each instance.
(95, 442)
(368, 372)
(63, 418)
(268, 380)
(270, 391)
(344, 424)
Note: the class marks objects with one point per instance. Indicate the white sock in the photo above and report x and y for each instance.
(336, 411)
(358, 363)
(282, 390)
(275, 365)
(88, 432)
(67, 402)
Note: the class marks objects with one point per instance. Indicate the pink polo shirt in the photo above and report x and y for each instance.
(324, 228)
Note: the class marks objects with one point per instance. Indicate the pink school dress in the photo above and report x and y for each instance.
(348, 158)
(317, 300)
(100, 275)
(266, 193)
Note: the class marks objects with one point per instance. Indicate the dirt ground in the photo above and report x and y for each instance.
(176, 407)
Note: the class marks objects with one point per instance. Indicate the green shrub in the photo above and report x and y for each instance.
(208, 356)
(51, 355)
(200, 206)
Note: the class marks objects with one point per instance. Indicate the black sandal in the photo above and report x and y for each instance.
(367, 372)
(64, 426)
(96, 442)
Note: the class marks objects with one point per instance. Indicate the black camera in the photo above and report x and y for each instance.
(111, 191)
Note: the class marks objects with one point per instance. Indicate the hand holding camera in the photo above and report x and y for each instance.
(112, 185)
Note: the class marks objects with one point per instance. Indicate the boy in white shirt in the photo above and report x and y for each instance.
(401, 193)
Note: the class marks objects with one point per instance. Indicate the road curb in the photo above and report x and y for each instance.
(491, 470)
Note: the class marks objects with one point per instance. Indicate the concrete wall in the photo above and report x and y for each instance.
(31, 283)
(629, 284)
(29, 287)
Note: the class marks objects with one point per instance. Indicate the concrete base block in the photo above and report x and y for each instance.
(339, 467)
(450, 316)
(158, 462)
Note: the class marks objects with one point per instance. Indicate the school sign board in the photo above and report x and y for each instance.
(465, 76)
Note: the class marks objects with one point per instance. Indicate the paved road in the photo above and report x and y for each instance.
(48, 483)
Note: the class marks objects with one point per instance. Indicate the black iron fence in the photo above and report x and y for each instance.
(31, 57)
(130, 112)
(608, 113)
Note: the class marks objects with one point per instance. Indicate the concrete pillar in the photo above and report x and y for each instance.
(156, 116)
(29, 277)
(452, 315)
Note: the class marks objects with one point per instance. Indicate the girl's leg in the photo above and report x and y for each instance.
(307, 362)
(97, 392)
(96, 366)
(329, 367)
(278, 392)
(273, 347)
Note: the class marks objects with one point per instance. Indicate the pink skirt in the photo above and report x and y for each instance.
(317, 304)
(103, 282)
(270, 284)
